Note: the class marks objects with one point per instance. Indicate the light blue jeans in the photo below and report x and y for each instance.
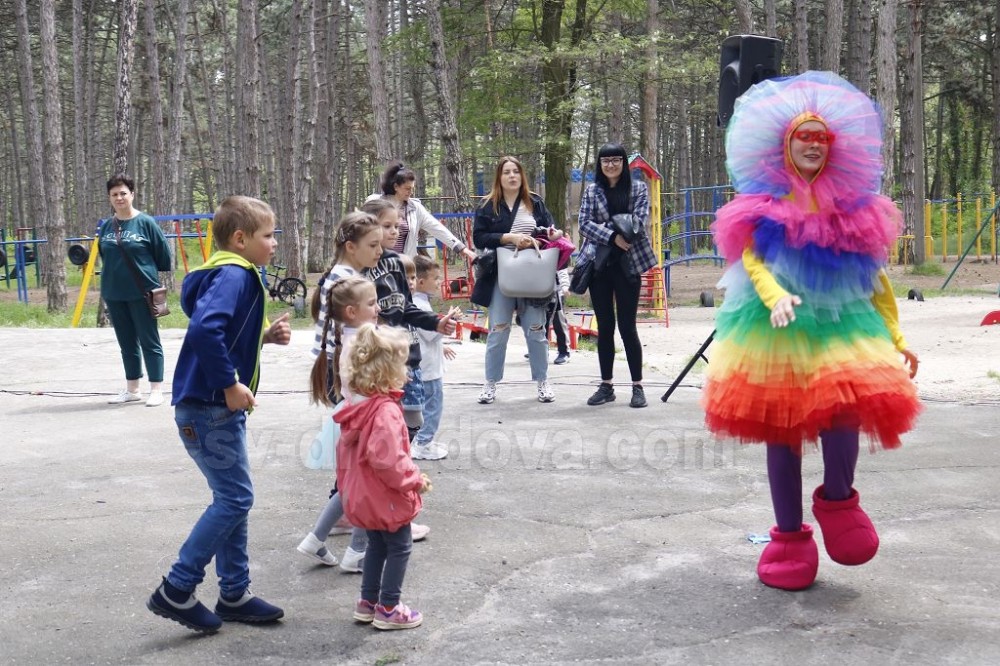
(433, 406)
(532, 321)
(216, 439)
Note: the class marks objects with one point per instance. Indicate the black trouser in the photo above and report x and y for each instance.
(557, 320)
(609, 288)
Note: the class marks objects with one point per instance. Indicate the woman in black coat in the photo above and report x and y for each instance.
(511, 216)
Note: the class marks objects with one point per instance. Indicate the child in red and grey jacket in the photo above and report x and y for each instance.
(379, 483)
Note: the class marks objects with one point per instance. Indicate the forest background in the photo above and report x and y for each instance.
(302, 102)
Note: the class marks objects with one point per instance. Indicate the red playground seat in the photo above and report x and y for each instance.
(991, 318)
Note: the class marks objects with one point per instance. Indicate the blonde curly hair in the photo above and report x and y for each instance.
(378, 360)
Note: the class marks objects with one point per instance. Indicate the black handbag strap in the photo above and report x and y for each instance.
(128, 257)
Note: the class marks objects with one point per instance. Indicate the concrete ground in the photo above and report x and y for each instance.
(560, 533)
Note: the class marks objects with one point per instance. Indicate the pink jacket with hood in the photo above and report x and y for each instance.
(375, 475)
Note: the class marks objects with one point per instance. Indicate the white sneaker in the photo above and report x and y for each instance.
(352, 561)
(155, 399)
(488, 394)
(316, 549)
(125, 396)
(545, 393)
(428, 451)
(419, 532)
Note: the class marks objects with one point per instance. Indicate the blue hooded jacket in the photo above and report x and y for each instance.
(224, 299)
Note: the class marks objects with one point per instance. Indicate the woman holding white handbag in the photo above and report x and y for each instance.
(510, 217)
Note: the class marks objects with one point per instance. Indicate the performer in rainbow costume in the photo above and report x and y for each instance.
(807, 341)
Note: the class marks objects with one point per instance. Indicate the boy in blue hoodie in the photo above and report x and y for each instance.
(213, 391)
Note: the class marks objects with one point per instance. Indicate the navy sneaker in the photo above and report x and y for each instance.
(248, 608)
(191, 613)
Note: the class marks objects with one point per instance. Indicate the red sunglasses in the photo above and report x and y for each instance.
(819, 136)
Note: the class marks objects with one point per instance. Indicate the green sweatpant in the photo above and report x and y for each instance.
(135, 328)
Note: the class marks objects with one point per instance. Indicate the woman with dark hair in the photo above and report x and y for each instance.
(510, 215)
(623, 257)
(397, 184)
(137, 234)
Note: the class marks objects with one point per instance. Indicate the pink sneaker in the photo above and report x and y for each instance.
(364, 611)
(400, 617)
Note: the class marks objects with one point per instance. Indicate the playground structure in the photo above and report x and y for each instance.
(88, 257)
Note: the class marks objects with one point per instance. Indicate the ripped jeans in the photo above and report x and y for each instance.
(532, 321)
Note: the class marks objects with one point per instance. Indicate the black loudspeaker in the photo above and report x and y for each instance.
(745, 60)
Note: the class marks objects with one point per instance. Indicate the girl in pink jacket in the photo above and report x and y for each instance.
(379, 482)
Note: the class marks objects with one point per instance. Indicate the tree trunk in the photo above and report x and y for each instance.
(123, 107)
(38, 199)
(771, 18)
(158, 187)
(913, 140)
(247, 157)
(176, 118)
(558, 91)
(744, 16)
(54, 225)
(934, 189)
(375, 35)
(286, 104)
(449, 127)
(802, 35)
(305, 190)
(833, 35)
(216, 177)
(995, 68)
(80, 220)
(859, 44)
(886, 84)
(649, 139)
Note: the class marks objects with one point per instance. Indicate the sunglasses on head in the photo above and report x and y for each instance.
(819, 136)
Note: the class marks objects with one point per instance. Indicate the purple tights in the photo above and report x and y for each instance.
(784, 472)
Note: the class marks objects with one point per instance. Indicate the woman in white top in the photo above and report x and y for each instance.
(397, 185)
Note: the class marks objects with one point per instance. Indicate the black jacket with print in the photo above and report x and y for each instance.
(395, 303)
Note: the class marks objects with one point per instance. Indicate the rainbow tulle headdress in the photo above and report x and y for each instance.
(755, 139)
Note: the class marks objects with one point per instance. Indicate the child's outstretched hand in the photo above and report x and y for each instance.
(911, 361)
(449, 353)
(427, 487)
(783, 312)
(280, 331)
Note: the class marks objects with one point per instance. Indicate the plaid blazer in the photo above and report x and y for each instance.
(596, 229)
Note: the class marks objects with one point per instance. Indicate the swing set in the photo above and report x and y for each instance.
(80, 255)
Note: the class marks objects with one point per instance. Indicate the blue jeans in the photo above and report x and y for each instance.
(385, 565)
(413, 391)
(433, 405)
(532, 321)
(216, 439)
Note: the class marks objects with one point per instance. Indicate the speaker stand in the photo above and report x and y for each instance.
(700, 354)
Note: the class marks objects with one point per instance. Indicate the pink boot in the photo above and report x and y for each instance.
(848, 533)
(790, 561)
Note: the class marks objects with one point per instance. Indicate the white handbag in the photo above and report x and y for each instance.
(527, 274)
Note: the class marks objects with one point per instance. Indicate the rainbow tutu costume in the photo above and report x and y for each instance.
(825, 241)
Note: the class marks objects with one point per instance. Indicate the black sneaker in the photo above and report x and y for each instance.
(248, 608)
(604, 393)
(638, 396)
(563, 357)
(191, 613)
